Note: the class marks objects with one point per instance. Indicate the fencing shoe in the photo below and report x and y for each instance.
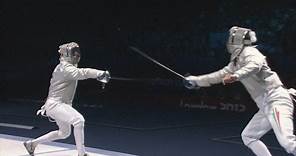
(30, 147)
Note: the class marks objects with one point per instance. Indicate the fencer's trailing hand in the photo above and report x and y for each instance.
(229, 78)
(104, 77)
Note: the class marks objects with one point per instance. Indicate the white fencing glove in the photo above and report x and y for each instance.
(105, 77)
(189, 82)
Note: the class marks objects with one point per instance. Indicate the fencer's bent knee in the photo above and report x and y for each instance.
(79, 122)
(65, 133)
(288, 144)
(289, 147)
(247, 140)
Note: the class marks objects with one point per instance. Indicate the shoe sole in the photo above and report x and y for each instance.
(25, 144)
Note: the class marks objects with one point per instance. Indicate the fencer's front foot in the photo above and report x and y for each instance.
(85, 154)
(30, 147)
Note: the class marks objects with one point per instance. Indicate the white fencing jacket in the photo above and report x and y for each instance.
(251, 68)
(64, 81)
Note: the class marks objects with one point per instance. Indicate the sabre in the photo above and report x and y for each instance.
(124, 79)
(156, 62)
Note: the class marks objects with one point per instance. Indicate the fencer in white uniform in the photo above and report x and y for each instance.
(58, 105)
(275, 102)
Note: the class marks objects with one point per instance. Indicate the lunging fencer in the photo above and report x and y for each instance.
(249, 66)
(58, 105)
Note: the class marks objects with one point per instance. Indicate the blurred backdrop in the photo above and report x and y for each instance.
(187, 36)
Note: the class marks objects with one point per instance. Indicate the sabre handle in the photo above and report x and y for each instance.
(189, 84)
(104, 78)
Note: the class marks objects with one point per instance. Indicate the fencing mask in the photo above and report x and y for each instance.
(70, 52)
(238, 38)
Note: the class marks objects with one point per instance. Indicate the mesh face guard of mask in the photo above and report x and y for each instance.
(238, 38)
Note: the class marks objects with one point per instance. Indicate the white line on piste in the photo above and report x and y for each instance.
(16, 126)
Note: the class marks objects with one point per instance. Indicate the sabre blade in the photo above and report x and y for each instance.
(156, 62)
(133, 79)
(123, 79)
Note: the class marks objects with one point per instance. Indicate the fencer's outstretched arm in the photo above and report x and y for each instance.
(73, 73)
(253, 60)
(207, 80)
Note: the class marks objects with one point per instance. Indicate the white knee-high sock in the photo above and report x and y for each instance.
(79, 138)
(259, 148)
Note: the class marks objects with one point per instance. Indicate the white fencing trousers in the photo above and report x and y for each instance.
(277, 114)
(65, 116)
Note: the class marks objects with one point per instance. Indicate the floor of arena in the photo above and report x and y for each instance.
(48, 149)
(137, 132)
